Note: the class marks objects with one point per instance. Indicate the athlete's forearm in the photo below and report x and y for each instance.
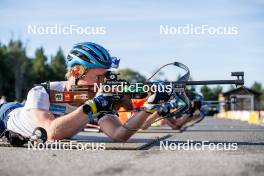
(151, 119)
(137, 121)
(112, 127)
(67, 125)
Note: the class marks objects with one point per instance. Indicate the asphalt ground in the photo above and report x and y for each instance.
(224, 147)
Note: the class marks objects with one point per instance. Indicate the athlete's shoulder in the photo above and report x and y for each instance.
(37, 97)
(57, 85)
(38, 88)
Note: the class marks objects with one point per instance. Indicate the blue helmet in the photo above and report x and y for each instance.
(91, 55)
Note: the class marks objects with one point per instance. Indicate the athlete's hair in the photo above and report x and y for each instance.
(76, 69)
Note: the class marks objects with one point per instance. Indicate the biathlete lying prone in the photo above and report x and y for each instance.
(86, 63)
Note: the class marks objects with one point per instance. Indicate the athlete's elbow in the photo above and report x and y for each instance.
(53, 134)
(117, 137)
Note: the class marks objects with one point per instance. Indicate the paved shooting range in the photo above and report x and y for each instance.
(131, 88)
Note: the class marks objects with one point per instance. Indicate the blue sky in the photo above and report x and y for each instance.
(133, 32)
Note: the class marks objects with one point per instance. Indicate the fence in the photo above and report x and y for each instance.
(252, 117)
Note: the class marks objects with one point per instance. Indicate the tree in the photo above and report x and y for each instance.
(28, 78)
(131, 75)
(19, 73)
(4, 70)
(206, 91)
(17, 59)
(216, 91)
(58, 66)
(211, 94)
(40, 68)
(257, 86)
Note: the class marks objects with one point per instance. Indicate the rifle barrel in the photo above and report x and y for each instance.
(236, 82)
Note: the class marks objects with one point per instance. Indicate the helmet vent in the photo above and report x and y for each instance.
(88, 50)
(82, 56)
(69, 58)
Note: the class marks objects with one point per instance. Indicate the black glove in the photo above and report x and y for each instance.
(155, 102)
(100, 103)
(159, 96)
(194, 106)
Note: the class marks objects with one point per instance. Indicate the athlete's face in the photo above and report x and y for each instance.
(94, 75)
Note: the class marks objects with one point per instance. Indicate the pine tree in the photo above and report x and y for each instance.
(58, 66)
